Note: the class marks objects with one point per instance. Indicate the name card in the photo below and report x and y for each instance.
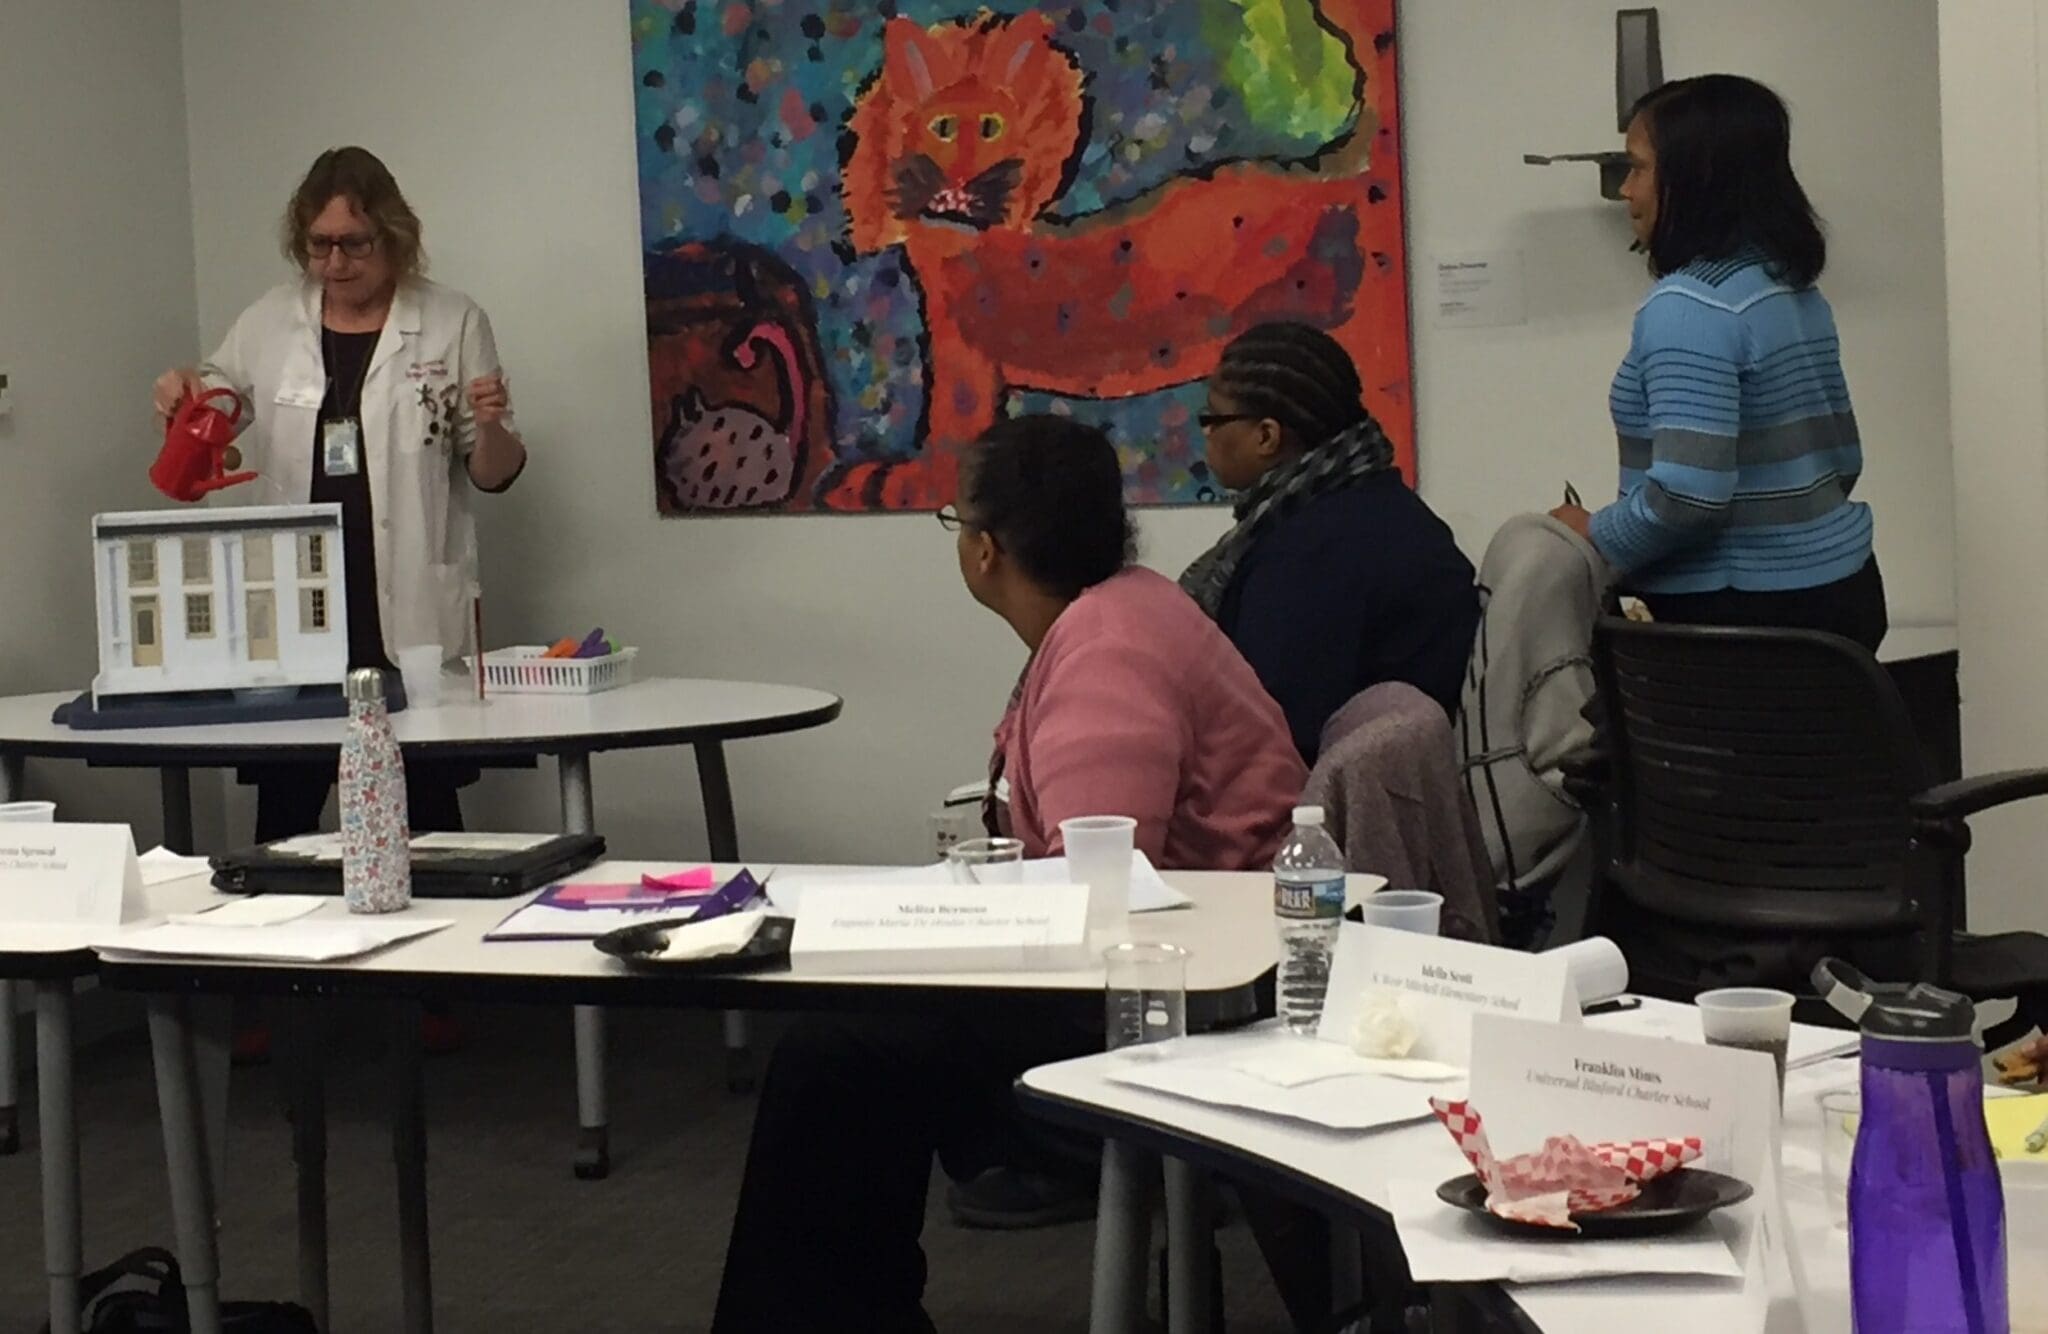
(69, 874)
(1439, 985)
(855, 928)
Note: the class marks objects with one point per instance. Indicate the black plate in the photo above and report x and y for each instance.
(643, 942)
(1667, 1204)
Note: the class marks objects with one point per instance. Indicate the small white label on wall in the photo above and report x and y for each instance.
(1480, 290)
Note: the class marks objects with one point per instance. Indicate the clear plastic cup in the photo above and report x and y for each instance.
(1751, 1018)
(1415, 910)
(27, 812)
(1099, 856)
(420, 668)
(986, 861)
(1841, 1111)
(1145, 994)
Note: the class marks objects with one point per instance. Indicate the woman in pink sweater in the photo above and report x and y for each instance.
(1134, 704)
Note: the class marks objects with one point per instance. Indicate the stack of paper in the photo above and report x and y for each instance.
(1276, 1073)
(324, 941)
(1149, 890)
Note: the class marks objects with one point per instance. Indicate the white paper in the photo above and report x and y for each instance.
(899, 928)
(1149, 890)
(1296, 1063)
(77, 874)
(309, 845)
(255, 910)
(324, 941)
(483, 843)
(160, 866)
(1681, 1023)
(1239, 1070)
(1442, 984)
(1480, 290)
(1447, 1245)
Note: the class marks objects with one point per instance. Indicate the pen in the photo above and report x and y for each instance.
(2038, 1140)
(1571, 496)
(1616, 1006)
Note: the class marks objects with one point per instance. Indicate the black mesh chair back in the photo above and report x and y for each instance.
(1760, 782)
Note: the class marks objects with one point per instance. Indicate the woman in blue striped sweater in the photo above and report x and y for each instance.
(1739, 448)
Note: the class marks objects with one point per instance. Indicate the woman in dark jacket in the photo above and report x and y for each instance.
(1336, 575)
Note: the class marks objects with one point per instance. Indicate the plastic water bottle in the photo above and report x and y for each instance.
(1926, 1211)
(376, 846)
(1308, 907)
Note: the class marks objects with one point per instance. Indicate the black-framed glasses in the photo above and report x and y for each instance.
(1209, 421)
(949, 518)
(357, 246)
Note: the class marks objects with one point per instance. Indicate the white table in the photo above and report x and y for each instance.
(504, 729)
(54, 958)
(1228, 931)
(1346, 1176)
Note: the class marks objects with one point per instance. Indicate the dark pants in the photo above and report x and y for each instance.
(290, 797)
(1852, 608)
(851, 1113)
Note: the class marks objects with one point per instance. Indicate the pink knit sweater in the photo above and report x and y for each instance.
(1135, 704)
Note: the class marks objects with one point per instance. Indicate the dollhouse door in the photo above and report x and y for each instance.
(145, 633)
(262, 625)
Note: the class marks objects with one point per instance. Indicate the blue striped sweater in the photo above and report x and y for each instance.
(1738, 445)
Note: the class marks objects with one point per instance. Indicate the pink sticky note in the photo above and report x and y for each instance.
(697, 877)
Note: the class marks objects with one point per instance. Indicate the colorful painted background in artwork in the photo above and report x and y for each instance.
(873, 225)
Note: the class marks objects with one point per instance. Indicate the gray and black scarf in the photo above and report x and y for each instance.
(1353, 454)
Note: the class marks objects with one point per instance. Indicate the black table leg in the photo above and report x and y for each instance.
(305, 1062)
(409, 1153)
(177, 784)
(721, 828)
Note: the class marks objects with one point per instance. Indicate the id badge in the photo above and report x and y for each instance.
(341, 447)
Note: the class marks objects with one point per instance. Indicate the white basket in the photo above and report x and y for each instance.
(522, 670)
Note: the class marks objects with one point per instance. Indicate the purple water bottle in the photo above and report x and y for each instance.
(1926, 1214)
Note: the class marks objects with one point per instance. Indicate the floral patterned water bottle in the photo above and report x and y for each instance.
(376, 854)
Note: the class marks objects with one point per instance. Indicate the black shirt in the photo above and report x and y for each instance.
(347, 358)
(1358, 586)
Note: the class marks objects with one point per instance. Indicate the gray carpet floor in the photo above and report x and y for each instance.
(518, 1244)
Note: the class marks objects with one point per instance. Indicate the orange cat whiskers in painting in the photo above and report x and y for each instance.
(967, 137)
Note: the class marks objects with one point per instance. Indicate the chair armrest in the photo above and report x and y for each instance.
(1959, 800)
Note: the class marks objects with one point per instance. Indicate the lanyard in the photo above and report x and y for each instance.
(353, 405)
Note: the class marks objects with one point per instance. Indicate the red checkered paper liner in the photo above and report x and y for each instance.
(1564, 1177)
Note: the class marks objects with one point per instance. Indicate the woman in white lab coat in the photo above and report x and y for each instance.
(366, 385)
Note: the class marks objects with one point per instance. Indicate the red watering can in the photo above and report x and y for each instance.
(199, 447)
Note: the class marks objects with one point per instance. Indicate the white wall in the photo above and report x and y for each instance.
(96, 297)
(509, 123)
(1995, 185)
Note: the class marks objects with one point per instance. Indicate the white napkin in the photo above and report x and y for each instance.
(1447, 1245)
(711, 939)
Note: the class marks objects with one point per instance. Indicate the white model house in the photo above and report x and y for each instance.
(219, 599)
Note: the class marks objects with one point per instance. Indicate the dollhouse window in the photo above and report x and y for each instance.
(258, 558)
(312, 609)
(142, 563)
(199, 616)
(312, 555)
(196, 559)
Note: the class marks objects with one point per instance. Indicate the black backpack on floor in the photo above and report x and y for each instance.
(157, 1304)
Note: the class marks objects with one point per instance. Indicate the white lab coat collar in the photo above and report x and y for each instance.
(403, 320)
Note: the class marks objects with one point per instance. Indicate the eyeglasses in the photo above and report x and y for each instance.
(358, 246)
(1209, 421)
(949, 518)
